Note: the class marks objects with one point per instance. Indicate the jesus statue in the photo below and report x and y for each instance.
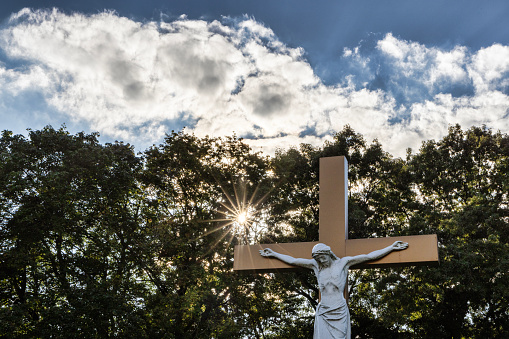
(332, 318)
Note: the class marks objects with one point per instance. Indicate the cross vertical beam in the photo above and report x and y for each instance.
(333, 215)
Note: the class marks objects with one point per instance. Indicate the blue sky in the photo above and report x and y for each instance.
(276, 72)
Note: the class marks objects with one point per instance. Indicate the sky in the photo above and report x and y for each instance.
(277, 73)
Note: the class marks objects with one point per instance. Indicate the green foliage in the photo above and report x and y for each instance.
(190, 181)
(98, 242)
(68, 230)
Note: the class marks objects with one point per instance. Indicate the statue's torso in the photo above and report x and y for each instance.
(332, 281)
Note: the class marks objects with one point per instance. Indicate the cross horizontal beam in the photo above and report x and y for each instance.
(422, 250)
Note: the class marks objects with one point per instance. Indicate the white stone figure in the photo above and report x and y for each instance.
(332, 318)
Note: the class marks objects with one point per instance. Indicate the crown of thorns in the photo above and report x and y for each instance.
(320, 248)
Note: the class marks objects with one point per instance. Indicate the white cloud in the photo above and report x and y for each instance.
(490, 68)
(136, 81)
(448, 66)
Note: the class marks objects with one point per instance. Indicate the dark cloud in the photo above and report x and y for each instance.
(134, 91)
(269, 104)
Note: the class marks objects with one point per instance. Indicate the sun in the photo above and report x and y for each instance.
(242, 217)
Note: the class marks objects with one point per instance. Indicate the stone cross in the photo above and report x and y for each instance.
(333, 231)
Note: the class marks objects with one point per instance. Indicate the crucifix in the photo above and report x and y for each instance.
(333, 231)
(331, 262)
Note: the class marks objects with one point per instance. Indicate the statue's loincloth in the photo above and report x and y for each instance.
(332, 321)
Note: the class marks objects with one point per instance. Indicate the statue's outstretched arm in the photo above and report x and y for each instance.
(307, 263)
(358, 259)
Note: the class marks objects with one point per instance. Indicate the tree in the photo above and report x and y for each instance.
(461, 182)
(68, 228)
(373, 177)
(98, 242)
(199, 188)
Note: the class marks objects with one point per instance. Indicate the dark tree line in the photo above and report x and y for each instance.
(98, 242)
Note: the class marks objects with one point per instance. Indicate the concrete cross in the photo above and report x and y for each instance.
(333, 231)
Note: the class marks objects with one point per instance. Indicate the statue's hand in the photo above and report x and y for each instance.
(399, 245)
(267, 252)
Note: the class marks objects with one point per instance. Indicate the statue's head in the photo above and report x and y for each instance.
(320, 248)
(323, 254)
